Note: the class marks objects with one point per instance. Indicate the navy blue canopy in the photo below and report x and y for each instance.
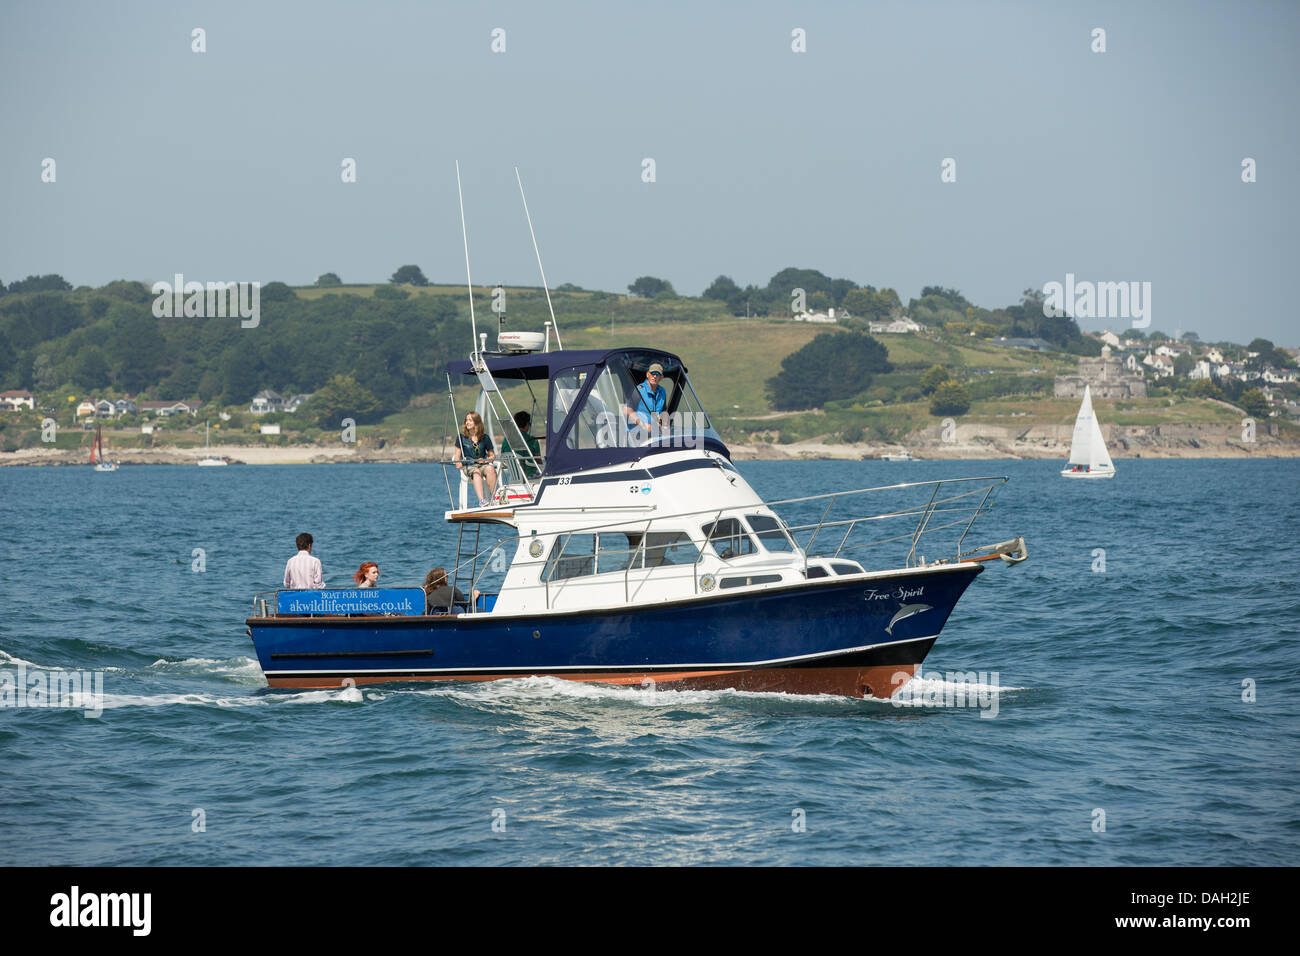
(535, 365)
(569, 444)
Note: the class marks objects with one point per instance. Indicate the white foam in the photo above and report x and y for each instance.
(515, 689)
(347, 695)
(7, 658)
(935, 691)
(244, 669)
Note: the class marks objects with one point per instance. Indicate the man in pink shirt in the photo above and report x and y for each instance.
(302, 571)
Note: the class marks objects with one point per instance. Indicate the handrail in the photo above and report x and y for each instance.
(944, 509)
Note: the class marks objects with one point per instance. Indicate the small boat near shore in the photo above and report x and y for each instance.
(632, 551)
(97, 452)
(903, 455)
(1088, 455)
(210, 460)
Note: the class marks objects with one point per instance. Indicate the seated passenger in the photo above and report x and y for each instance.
(525, 422)
(473, 456)
(439, 596)
(367, 575)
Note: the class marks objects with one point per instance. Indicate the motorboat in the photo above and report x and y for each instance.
(632, 551)
(903, 455)
(1088, 455)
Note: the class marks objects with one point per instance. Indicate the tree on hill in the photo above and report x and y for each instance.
(329, 280)
(341, 397)
(1205, 388)
(45, 283)
(1183, 364)
(934, 376)
(408, 275)
(722, 289)
(1253, 402)
(276, 292)
(872, 305)
(834, 365)
(950, 398)
(780, 288)
(647, 287)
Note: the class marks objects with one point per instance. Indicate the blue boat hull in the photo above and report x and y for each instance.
(853, 637)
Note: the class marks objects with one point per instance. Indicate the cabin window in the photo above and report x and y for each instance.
(601, 423)
(617, 551)
(816, 571)
(729, 539)
(770, 533)
(842, 567)
(669, 547)
(564, 390)
(728, 583)
(575, 557)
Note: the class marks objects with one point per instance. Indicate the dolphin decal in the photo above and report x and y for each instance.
(907, 610)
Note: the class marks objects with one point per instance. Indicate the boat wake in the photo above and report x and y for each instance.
(240, 670)
(345, 695)
(935, 691)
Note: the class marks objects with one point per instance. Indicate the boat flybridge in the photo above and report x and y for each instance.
(629, 549)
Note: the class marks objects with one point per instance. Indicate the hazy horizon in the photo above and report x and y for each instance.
(226, 165)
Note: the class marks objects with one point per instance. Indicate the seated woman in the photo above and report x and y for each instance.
(367, 575)
(473, 455)
(439, 596)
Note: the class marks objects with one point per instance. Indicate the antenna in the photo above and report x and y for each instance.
(539, 256)
(465, 235)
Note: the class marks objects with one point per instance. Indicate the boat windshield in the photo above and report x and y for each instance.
(626, 407)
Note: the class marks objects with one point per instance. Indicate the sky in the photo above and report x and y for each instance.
(1115, 166)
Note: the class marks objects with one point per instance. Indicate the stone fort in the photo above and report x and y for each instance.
(1107, 376)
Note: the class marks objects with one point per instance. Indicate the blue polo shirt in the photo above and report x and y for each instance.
(649, 402)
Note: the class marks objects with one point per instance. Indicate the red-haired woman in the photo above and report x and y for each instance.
(367, 575)
(473, 454)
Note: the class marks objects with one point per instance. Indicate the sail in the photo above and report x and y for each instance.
(1087, 447)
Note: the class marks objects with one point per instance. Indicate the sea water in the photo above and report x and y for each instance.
(1142, 664)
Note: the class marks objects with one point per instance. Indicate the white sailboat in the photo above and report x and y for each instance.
(207, 446)
(1088, 455)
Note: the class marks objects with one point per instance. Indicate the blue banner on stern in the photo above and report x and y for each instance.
(351, 601)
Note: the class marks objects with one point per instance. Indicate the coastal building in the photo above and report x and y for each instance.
(1105, 375)
(898, 326)
(291, 405)
(1032, 344)
(267, 401)
(827, 317)
(1162, 366)
(1202, 370)
(1278, 376)
(12, 401)
(1110, 338)
(167, 409)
